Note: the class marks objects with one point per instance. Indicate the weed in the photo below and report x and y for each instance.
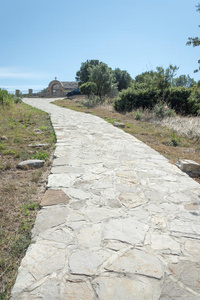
(43, 128)
(175, 140)
(36, 176)
(21, 243)
(41, 155)
(110, 120)
(2, 145)
(18, 140)
(9, 152)
(138, 115)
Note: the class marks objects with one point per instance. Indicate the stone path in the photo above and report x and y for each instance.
(118, 222)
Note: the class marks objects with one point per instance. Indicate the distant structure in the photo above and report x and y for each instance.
(60, 88)
(55, 88)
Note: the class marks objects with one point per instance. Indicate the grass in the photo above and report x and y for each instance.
(175, 138)
(20, 189)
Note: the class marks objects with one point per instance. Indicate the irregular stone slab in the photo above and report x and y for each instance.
(77, 204)
(192, 206)
(40, 260)
(59, 234)
(127, 230)
(31, 163)
(78, 194)
(193, 248)
(115, 288)
(20, 283)
(50, 290)
(97, 214)
(89, 237)
(188, 273)
(53, 197)
(78, 291)
(173, 291)
(165, 244)
(48, 217)
(138, 262)
(131, 200)
(87, 261)
(61, 180)
(67, 169)
(61, 161)
(185, 228)
(114, 203)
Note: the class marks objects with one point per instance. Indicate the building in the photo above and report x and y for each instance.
(60, 88)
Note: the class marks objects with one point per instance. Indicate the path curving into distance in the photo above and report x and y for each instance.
(118, 221)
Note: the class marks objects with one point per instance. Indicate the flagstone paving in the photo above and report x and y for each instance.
(125, 224)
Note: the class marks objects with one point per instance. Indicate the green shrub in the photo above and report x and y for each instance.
(6, 99)
(138, 115)
(137, 96)
(194, 100)
(93, 101)
(162, 110)
(178, 99)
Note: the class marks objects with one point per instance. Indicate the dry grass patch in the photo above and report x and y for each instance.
(20, 190)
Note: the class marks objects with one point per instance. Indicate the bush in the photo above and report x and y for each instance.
(162, 111)
(92, 101)
(178, 99)
(135, 97)
(182, 100)
(138, 115)
(194, 101)
(6, 99)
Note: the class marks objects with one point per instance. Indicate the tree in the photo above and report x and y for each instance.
(195, 41)
(165, 76)
(122, 78)
(82, 76)
(102, 75)
(183, 80)
(88, 88)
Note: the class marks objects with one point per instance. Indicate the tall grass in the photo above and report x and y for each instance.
(186, 126)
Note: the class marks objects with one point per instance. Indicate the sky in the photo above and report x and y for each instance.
(44, 39)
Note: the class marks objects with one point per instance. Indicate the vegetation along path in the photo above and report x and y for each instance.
(118, 221)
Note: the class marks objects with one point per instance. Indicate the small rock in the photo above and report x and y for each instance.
(4, 138)
(33, 163)
(187, 165)
(120, 125)
(38, 131)
(38, 145)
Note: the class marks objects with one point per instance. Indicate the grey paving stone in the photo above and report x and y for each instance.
(79, 290)
(87, 261)
(137, 262)
(115, 288)
(48, 217)
(128, 228)
(173, 291)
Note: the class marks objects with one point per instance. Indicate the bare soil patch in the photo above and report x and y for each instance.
(20, 190)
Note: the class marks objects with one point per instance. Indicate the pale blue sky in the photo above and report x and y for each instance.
(41, 39)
